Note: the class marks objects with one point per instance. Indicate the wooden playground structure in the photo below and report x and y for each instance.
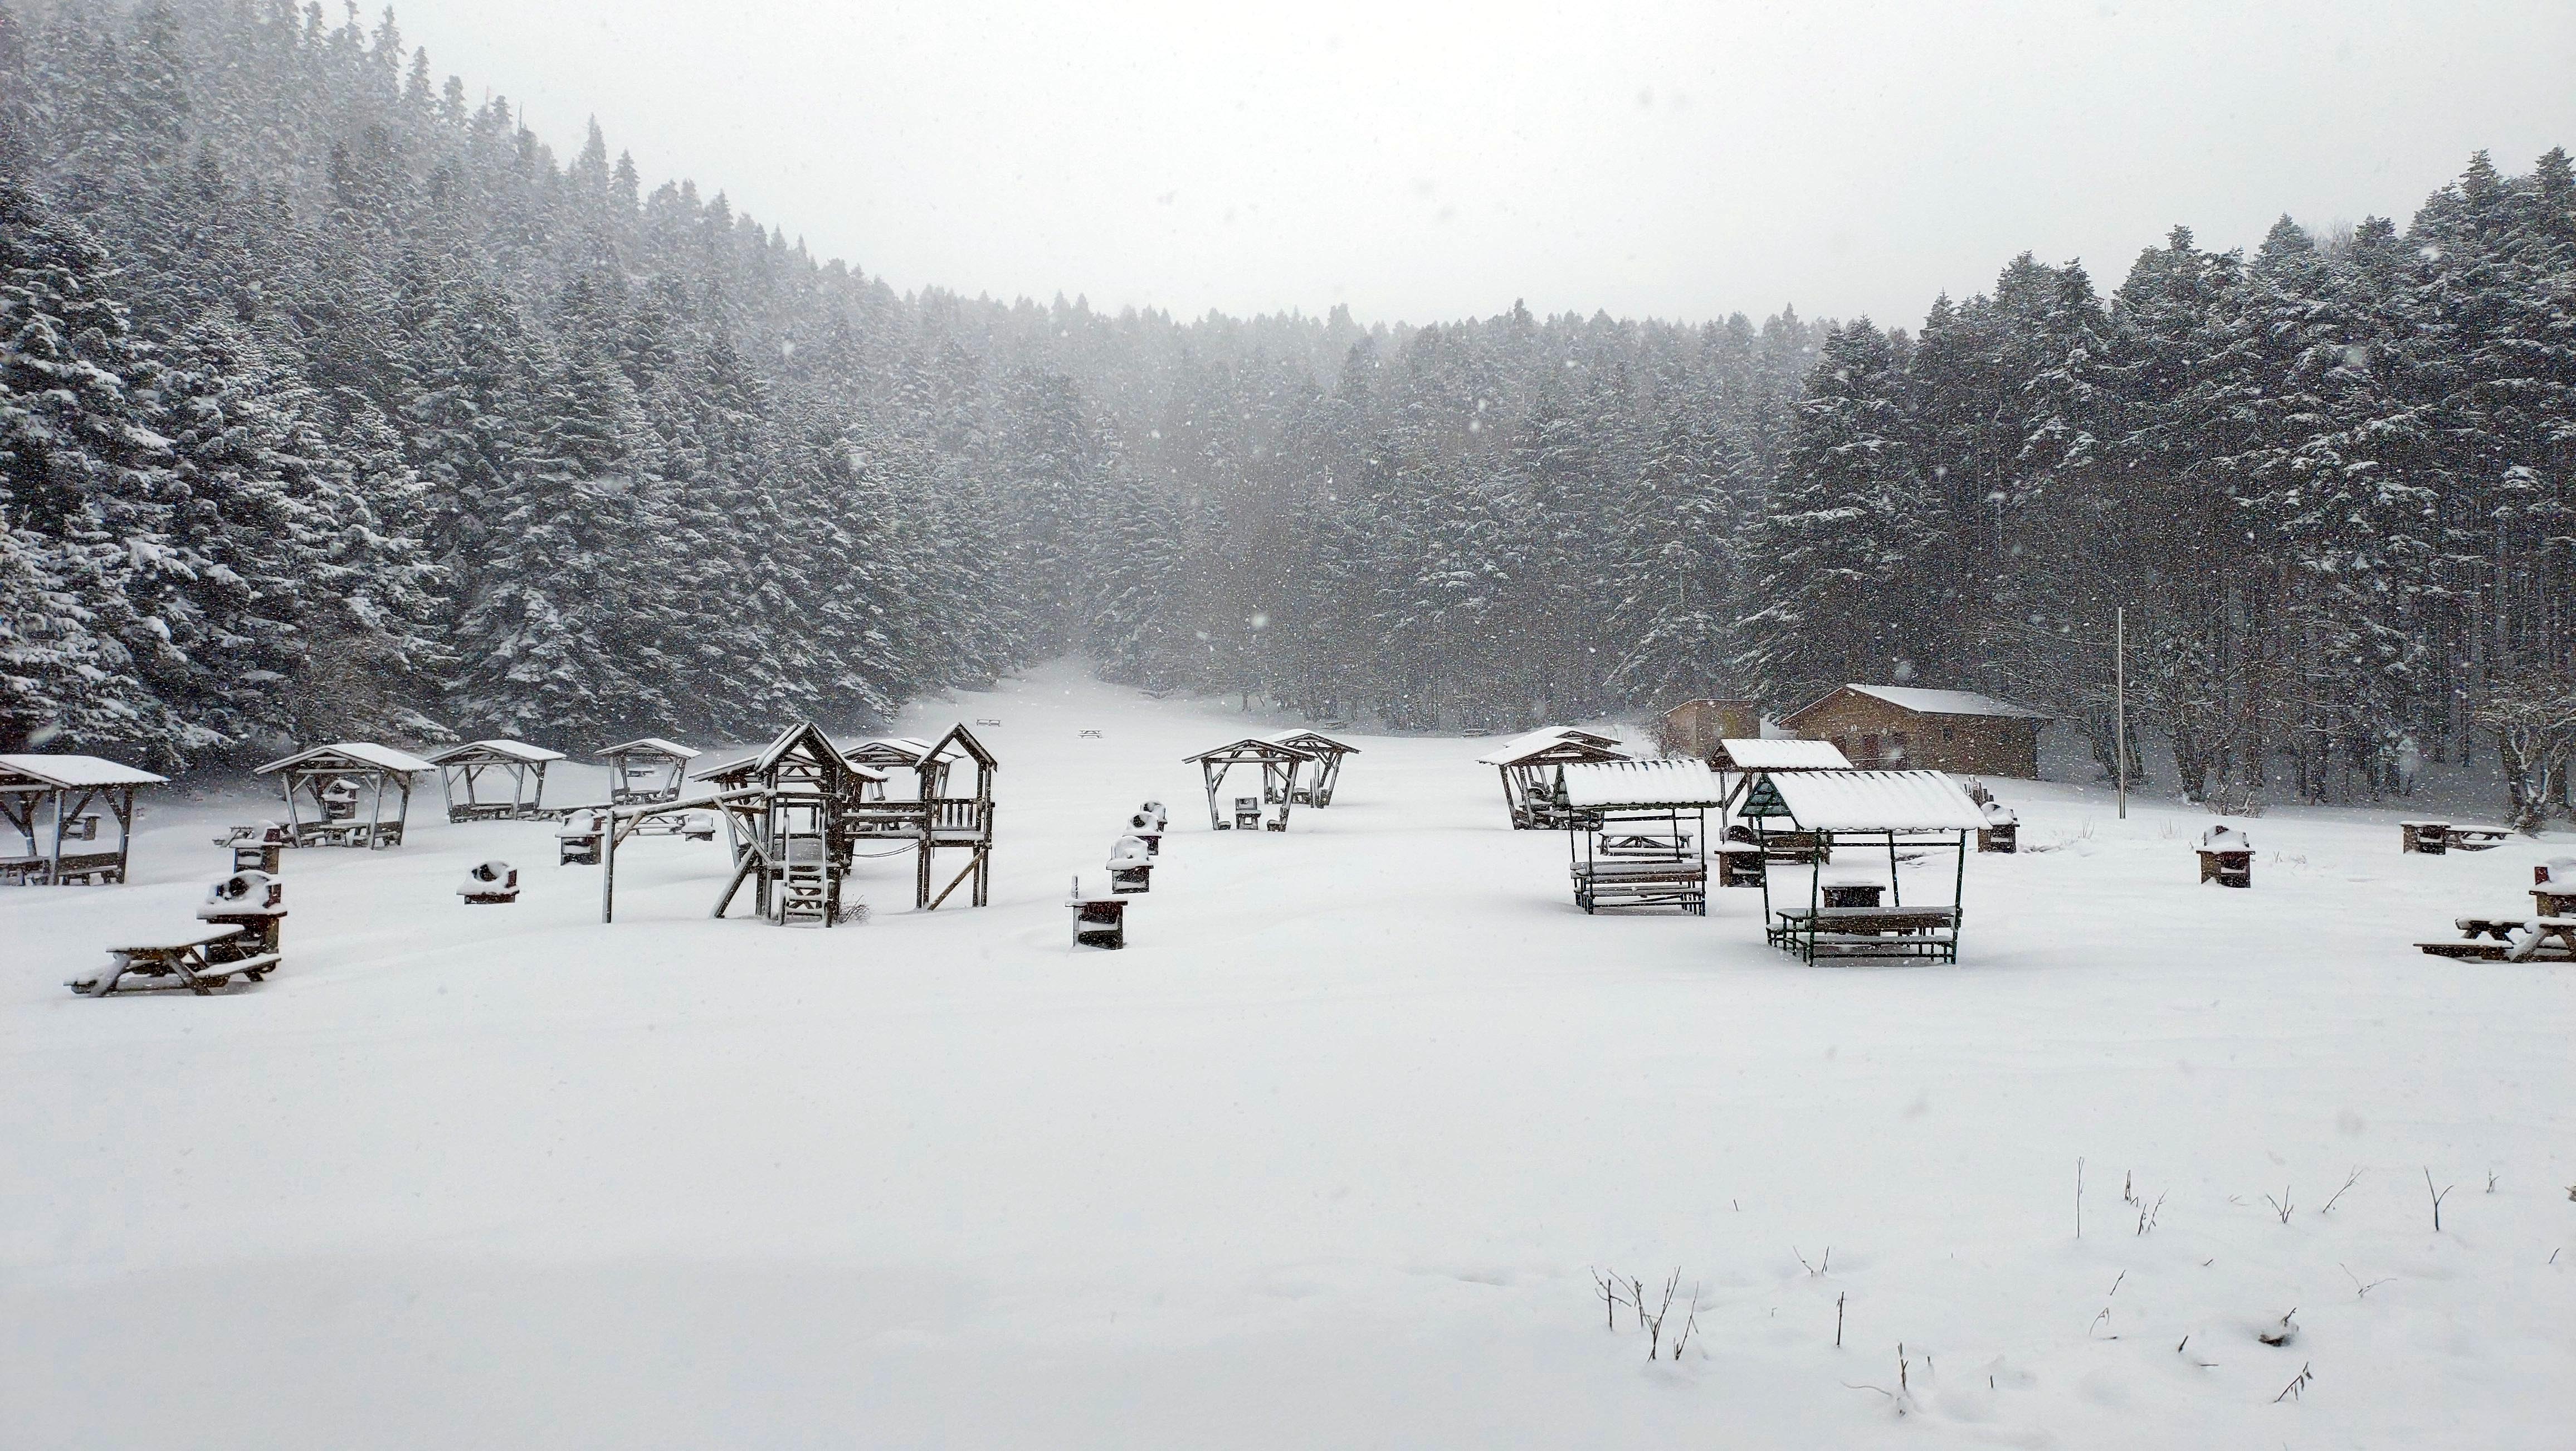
(796, 813)
(60, 791)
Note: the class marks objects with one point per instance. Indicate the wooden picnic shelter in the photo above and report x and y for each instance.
(646, 772)
(1532, 766)
(1913, 814)
(1317, 790)
(58, 791)
(325, 784)
(1636, 832)
(1279, 765)
(472, 776)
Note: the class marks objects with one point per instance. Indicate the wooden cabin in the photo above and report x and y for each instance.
(1279, 765)
(47, 800)
(646, 772)
(1317, 789)
(1892, 727)
(476, 775)
(1695, 727)
(326, 787)
(1533, 778)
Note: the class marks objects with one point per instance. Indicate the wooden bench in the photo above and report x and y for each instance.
(1925, 932)
(1632, 883)
(2477, 838)
(1739, 864)
(184, 959)
(2428, 838)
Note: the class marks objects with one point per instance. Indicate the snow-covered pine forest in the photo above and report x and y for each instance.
(335, 401)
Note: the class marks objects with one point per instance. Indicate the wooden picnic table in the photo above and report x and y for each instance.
(2509, 939)
(1633, 882)
(1815, 932)
(183, 957)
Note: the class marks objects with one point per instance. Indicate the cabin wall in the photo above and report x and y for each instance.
(1879, 736)
(1694, 728)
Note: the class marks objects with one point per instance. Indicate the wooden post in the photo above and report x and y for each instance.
(55, 874)
(608, 868)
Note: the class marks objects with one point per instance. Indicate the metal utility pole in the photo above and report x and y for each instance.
(2120, 702)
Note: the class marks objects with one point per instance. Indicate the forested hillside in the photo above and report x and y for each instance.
(335, 401)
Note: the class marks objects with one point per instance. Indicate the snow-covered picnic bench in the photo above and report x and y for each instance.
(2509, 939)
(1868, 931)
(1617, 882)
(183, 957)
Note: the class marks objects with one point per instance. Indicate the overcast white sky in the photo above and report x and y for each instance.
(1426, 162)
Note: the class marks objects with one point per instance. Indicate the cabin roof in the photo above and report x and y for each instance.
(1539, 746)
(1784, 755)
(1866, 801)
(650, 745)
(358, 753)
(1673, 781)
(502, 749)
(1928, 702)
(75, 772)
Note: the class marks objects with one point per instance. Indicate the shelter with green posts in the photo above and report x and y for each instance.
(1916, 816)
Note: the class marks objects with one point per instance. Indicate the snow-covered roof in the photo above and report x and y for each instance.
(1673, 781)
(365, 753)
(1935, 702)
(778, 748)
(76, 772)
(1252, 748)
(1873, 801)
(1314, 741)
(905, 750)
(1767, 754)
(1570, 744)
(654, 744)
(512, 750)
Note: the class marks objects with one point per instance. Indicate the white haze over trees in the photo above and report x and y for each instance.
(337, 399)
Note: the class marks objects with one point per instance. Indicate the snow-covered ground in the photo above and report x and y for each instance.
(1326, 1158)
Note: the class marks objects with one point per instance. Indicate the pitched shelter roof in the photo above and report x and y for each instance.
(1556, 744)
(1929, 702)
(1866, 801)
(76, 772)
(362, 753)
(654, 745)
(509, 750)
(803, 732)
(1314, 742)
(1674, 781)
(1784, 755)
(902, 750)
(1252, 748)
(961, 739)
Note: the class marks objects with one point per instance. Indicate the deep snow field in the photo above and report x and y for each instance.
(1326, 1158)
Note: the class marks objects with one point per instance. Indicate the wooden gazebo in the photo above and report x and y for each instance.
(1328, 753)
(1532, 770)
(1912, 813)
(646, 772)
(475, 774)
(1636, 832)
(1278, 764)
(59, 790)
(324, 786)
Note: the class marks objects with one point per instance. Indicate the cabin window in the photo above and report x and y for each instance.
(1947, 732)
(1868, 751)
(1896, 744)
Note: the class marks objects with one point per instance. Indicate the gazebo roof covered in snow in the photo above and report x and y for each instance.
(502, 750)
(73, 773)
(1682, 781)
(1784, 755)
(352, 755)
(1556, 743)
(650, 745)
(1864, 801)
